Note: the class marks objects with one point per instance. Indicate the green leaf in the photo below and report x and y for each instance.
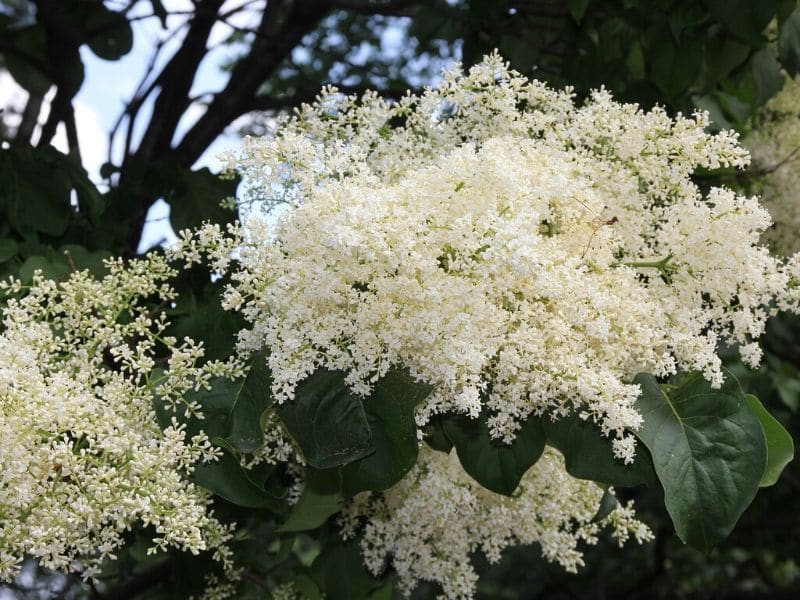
(435, 436)
(8, 249)
(307, 587)
(109, 33)
(197, 196)
(390, 414)
(709, 453)
(385, 592)
(722, 54)
(327, 421)
(780, 446)
(36, 190)
(341, 573)
(785, 378)
(789, 43)
(635, 62)
(228, 479)
(577, 9)
(493, 464)
(608, 503)
(215, 404)
(31, 42)
(320, 499)
(745, 19)
(588, 454)
(767, 74)
(50, 269)
(78, 257)
(673, 68)
(251, 398)
(203, 319)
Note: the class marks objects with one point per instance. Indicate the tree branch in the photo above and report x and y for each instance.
(386, 7)
(30, 117)
(282, 27)
(175, 81)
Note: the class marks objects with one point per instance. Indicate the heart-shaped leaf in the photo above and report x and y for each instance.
(780, 446)
(588, 454)
(709, 453)
(327, 421)
(390, 413)
(251, 398)
(320, 499)
(495, 465)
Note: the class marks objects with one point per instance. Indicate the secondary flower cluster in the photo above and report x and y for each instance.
(83, 459)
(775, 145)
(430, 524)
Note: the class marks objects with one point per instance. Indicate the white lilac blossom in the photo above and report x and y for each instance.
(522, 254)
(83, 459)
(429, 525)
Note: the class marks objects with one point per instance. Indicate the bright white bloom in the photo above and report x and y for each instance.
(429, 525)
(82, 458)
(524, 255)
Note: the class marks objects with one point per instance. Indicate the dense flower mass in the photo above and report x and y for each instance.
(524, 255)
(83, 458)
(521, 254)
(430, 524)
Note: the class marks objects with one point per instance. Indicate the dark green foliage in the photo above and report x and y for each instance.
(252, 398)
(340, 572)
(390, 414)
(709, 453)
(243, 487)
(588, 455)
(492, 463)
(320, 499)
(327, 421)
(780, 447)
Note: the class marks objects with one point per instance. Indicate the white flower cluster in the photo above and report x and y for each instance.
(83, 459)
(524, 255)
(775, 146)
(430, 524)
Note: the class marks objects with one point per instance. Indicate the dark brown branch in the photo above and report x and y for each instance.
(72, 131)
(134, 105)
(282, 27)
(237, 9)
(30, 117)
(175, 81)
(59, 109)
(63, 43)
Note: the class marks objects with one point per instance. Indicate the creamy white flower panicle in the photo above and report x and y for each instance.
(428, 526)
(83, 459)
(524, 255)
(521, 254)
